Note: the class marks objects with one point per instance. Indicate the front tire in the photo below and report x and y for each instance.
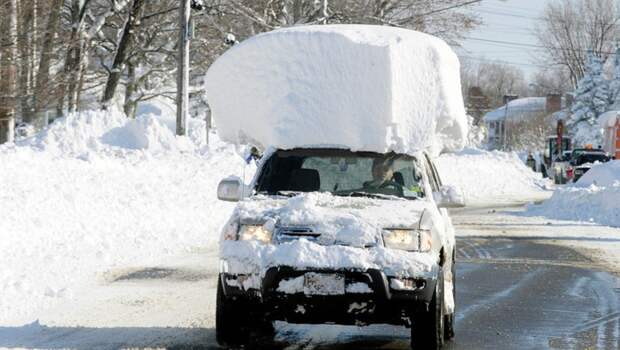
(240, 323)
(449, 320)
(428, 327)
(228, 314)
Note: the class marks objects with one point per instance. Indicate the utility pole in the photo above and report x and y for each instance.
(183, 68)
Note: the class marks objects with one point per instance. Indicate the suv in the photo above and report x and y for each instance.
(583, 160)
(337, 236)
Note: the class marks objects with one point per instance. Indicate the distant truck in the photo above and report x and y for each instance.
(582, 160)
(556, 158)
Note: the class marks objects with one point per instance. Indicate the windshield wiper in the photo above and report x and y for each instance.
(370, 195)
(281, 193)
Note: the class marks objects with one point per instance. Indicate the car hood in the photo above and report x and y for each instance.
(331, 220)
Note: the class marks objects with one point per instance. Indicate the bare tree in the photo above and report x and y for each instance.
(126, 41)
(552, 80)
(571, 28)
(495, 79)
(529, 133)
(42, 86)
(8, 69)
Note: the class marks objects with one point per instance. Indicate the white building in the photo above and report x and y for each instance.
(610, 122)
(517, 110)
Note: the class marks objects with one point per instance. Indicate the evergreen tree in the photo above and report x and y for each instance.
(592, 98)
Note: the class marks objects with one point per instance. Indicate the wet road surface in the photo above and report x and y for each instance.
(511, 294)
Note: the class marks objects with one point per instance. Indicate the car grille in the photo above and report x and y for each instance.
(288, 234)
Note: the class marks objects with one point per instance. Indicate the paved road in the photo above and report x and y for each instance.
(512, 293)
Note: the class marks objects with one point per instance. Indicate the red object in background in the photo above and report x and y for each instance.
(569, 172)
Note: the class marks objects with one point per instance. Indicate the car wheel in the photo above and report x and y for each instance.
(229, 331)
(428, 325)
(239, 323)
(449, 320)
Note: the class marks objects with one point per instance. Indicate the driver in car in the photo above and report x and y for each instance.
(382, 173)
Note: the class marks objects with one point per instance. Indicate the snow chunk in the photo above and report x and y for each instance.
(291, 285)
(361, 87)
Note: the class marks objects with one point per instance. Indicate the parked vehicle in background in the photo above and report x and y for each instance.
(583, 159)
(556, 161)
(561, 169)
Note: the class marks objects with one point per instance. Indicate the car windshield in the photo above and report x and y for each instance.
(591, 158)
(342, 173)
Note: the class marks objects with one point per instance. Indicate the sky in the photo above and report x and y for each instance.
(511, 22)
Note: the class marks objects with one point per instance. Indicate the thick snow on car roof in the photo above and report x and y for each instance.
(362, 87)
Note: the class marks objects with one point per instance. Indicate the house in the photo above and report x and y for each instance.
(514, 111)
(610, 122)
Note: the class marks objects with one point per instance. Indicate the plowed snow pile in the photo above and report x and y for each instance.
(492, 177)
(97, 191)
(372, 88)
(594, 198)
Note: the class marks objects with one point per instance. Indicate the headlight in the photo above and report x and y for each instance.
(254, 232)
(410, 240)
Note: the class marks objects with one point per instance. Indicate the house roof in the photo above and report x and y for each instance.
(518, 109)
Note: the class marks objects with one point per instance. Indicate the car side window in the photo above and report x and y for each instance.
(436, 173)
(430, 174)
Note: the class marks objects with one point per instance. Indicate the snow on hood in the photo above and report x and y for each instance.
(350, 234)
(347, 221)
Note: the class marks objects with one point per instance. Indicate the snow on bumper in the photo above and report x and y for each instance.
(254, 258)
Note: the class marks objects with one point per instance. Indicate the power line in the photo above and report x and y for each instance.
(533, 18)
(534, 45)
(502, 61)
(491, 12)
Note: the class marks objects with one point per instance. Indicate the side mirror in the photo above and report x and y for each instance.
(230, 189)
(449, 197)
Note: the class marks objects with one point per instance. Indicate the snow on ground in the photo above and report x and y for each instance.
(491, 177)
(594, 198)
(97, 191)
(372, 88)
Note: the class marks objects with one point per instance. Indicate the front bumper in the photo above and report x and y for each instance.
(386, 300)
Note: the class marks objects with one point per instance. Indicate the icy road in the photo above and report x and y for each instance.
(523, 283)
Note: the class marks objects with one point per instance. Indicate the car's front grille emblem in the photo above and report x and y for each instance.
(287, 234)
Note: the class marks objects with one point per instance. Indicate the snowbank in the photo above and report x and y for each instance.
(92, 133)
(491, 177)
(362, 87)
(594, 198)
(601, 174)
(95, 192)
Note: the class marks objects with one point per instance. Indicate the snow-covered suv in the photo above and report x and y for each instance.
(336, 236)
